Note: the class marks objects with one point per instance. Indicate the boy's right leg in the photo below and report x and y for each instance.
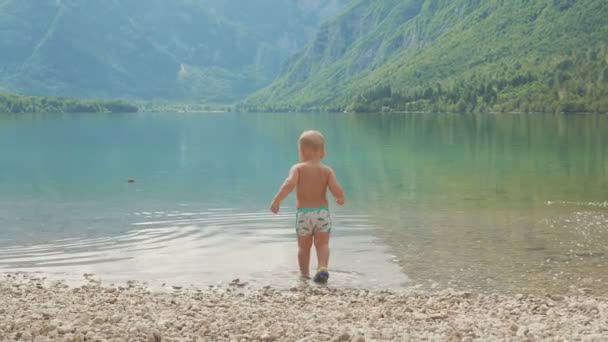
(304, 245)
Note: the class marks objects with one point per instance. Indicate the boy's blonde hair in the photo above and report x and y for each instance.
(313, 140)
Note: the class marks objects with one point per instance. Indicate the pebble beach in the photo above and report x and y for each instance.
(38, 309)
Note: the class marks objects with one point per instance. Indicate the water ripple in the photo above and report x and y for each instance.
(207, 247)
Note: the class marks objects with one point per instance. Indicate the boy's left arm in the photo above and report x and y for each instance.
(335, 188)
(288, 185)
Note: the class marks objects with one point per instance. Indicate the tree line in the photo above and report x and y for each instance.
(14, 103)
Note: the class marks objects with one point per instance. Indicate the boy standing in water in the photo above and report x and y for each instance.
(311, 179)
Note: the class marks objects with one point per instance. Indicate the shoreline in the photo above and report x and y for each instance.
(37, 309)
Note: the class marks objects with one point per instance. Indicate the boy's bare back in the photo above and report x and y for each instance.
(310, 178)
(312, 181)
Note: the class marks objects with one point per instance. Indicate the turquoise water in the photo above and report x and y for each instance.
(501, 202)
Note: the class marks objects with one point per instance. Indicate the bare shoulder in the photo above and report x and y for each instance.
(327, 169)
(296, 167)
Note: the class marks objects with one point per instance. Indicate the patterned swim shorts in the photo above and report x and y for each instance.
(312, 220)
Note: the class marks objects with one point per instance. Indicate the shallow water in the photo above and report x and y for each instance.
(512, 203)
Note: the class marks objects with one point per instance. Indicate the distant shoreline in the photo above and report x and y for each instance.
(20, 104)
(11, 103)
(388, 112)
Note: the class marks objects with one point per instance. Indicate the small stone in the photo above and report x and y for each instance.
(557, 298)
(65, 329)
(154, 336)
(523, 331)
(437, 316)
(266, 337)
(98, 320)
(594, 338)
(83, 318)
(344, 337)
(590, 305)
(420, 317)
(357, 338)
(115, 319)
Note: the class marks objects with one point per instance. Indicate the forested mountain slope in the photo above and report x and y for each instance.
(451, 55)
(213, 50)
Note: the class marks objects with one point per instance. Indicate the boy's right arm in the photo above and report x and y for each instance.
(335, 188)
(288, 185)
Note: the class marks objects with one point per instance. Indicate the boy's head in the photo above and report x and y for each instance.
(311, 145)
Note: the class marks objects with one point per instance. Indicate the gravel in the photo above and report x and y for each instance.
(36, 309)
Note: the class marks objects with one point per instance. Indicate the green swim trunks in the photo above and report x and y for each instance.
(312, 220)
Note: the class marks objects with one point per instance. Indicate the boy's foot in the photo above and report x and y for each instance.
(321, 277)
(304, 276)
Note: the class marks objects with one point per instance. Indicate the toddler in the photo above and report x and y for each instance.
(311, 179)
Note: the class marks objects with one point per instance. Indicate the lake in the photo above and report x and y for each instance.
(510, 202)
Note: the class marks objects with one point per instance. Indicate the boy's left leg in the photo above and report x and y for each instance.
(322, 247)
(304, 245)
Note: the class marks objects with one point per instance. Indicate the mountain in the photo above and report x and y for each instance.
(451, 55)
(194, 50)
